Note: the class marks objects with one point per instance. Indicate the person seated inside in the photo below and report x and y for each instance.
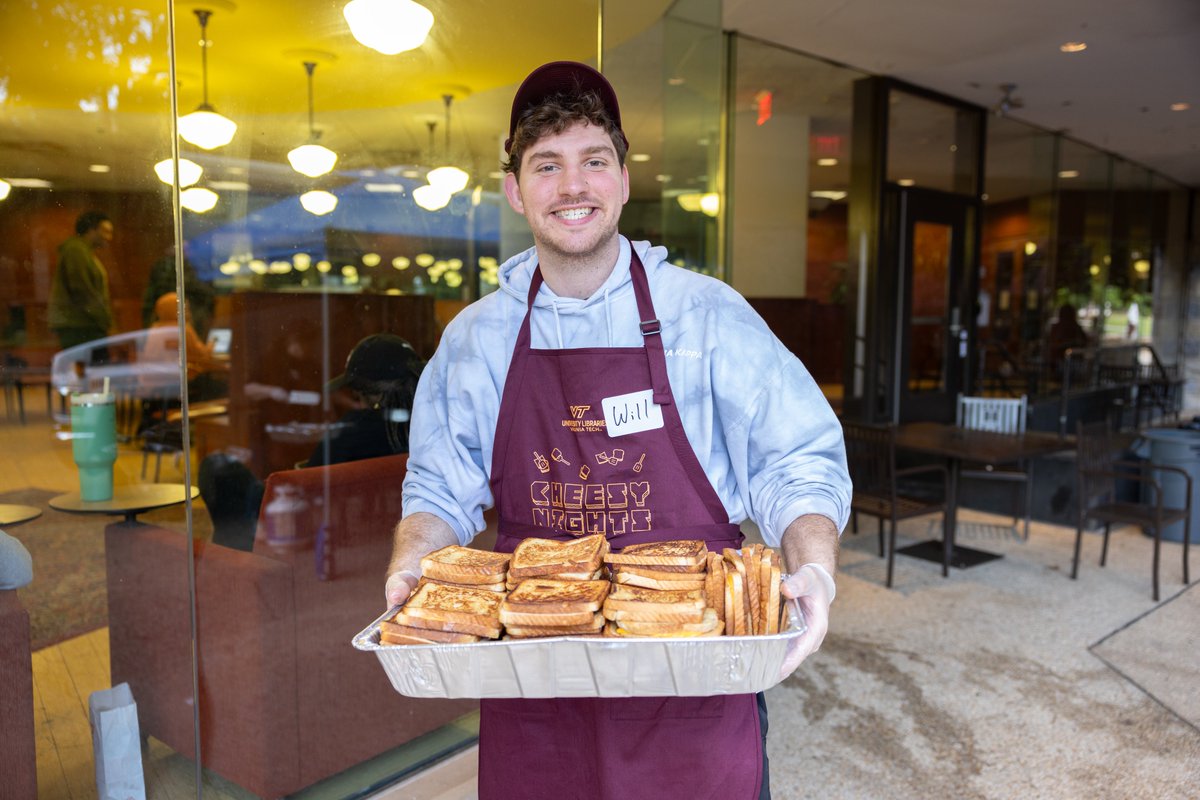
(206, 373)
(1065, 333)
(376, 388)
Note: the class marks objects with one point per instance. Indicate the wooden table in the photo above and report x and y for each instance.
(128, 501)
(14, 515)
(957, 445)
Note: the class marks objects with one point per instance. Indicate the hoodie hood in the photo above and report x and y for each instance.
(517, 272)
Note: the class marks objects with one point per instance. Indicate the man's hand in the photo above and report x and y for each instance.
(399, 586)
(813, 588)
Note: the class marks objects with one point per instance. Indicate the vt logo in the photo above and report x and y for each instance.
(577, 412)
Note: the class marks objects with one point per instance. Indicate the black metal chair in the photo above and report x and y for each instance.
(999, 415)
(1098, 472)
(871, 457)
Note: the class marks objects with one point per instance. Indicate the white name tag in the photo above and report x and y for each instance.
(631, 413)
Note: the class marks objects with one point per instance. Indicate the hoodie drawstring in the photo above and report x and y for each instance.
(557, 324)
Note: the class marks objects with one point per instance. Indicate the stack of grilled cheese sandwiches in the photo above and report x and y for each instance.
(659, 590)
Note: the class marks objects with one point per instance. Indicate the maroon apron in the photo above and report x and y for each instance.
(557, 474)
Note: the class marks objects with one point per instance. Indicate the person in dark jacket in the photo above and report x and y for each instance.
(80, 309)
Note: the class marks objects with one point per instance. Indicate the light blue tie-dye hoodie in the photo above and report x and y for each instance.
(761, 428)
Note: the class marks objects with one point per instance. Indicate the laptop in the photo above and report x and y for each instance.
(219, 340)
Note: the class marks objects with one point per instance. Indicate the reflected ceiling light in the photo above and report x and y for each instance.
(318, 202)
(1068, 173)
(454, 280)
(371, 259)
(204, 127)
(230, 268)
(384, 188)
(449, 178)
(425, 260)
(1180, 106)
(230, 186)
(30, 183)
(1094, 269)
(5, 188)
(1141, 266)
(1073, 47)
(430, 197)
(301, 261)
(828, 194)
(198, 199)
(324, 266)
(906, 182)
(1030, 248)
(400, 262)
(389, 26)
(312, 159)
(827, 162)
(639, 157)
(280, 267)
(101, 168)
(259, 267)
(189, 172)
(710, 203)
(496, 175)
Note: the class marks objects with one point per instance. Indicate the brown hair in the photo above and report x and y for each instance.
(553, 116)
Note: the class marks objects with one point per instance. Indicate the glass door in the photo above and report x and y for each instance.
(930, 244)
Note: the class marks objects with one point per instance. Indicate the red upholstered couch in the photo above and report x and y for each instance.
(284, 699)
(18, 758)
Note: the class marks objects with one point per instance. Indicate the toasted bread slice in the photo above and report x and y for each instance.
(657, 568)
(455, 604)
(661, 574)
(753, 561)
(459, 564)
(714, 588)
(678, 552)
(624, 596)
(614, 628)
(419, 636)
(707, 624)
(388, 628)
(487, 629)
(531, 631)
(764, 588)
(537, 557)
(487, 587)
(546, 619)
(659, 614)
(544, 595)
(735, 603)
(774, 599)
(695, 580)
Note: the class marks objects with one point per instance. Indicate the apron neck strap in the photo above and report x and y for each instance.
(650, 327)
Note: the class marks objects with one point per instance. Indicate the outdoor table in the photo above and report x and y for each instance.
(957, 445)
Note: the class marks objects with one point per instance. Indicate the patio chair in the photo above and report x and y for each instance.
(998, 415)
(1099, 471)
(871, 456)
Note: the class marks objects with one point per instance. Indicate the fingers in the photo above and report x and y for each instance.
(399, 586)
(816, 620)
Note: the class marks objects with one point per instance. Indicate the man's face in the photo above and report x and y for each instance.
(571, 192)
(100, 235)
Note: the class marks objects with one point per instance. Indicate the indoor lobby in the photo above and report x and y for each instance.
(294, 182)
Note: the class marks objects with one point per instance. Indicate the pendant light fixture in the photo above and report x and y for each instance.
(430, 197)
(389, 26)
(5, 188)
(318, 202)
(204, 127)
(189, 171)
(198, 199)
(312, 159)
(449, 178)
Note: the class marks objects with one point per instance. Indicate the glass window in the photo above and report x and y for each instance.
(931, 144)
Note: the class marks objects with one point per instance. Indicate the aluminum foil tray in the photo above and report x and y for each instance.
(569, 666)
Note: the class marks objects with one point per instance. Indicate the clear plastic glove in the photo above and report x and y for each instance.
(813, 588)
(399, 586)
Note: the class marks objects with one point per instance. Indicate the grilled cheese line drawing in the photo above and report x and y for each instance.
(614, 458)
(584, 471)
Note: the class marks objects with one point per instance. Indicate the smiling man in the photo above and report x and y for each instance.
(667, 410)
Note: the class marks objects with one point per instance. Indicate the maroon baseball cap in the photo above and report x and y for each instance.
(562, 77)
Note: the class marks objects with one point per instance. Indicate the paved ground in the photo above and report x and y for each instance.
(982, 685)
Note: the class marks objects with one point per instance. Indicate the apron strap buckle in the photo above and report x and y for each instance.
(651, 327)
